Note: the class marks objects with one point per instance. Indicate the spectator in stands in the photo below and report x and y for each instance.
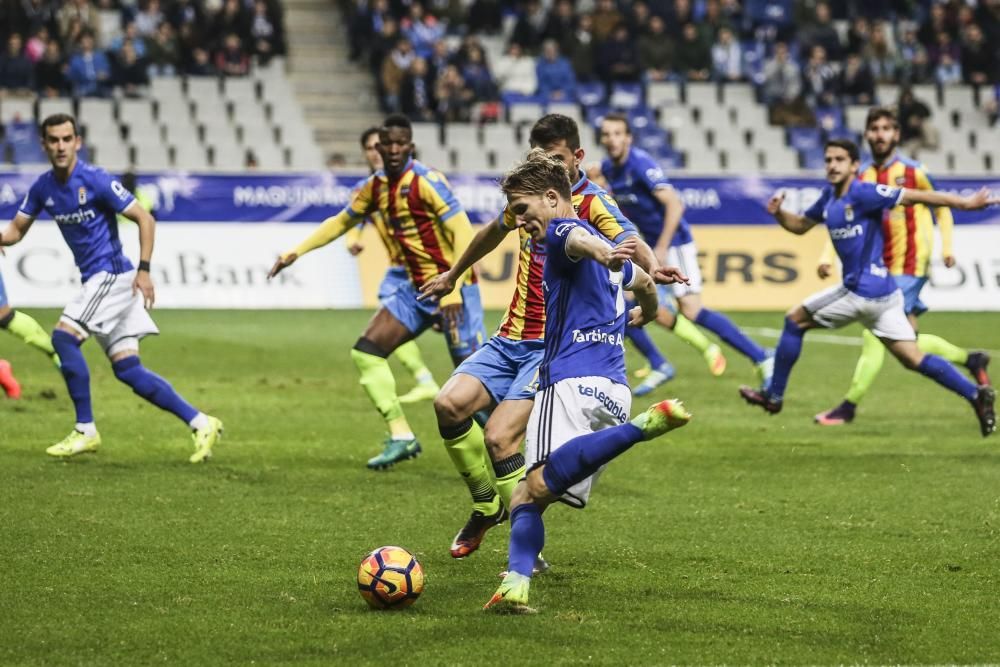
(440, 58)
(936, 23)
(163, 51)
(485, 16)
(16, 71)
(727, 57)
(416, 95)
(265, 33)
(583, 52)
(530, 26)
(821, 80)
(476, 73)
(74, 31)
(454, 98)
(35, 15)
(149, 18)
(988, 18)
(50, 72)
(857, 84)
(606, 19)
(948, 72)
(560, 25)
(770, 19)
(978, 58)
(915, 129)
(200, 63)
(638, 17)
(515, 71)
(820, 32)
(130, 72)
(232, 59)
(422, 29)
(943, 46)
(382, 46)
(394, 69)
(680, 15)
(89, 70)
(189, 13)
(783, 89)
(618, 58)
(230, 20)
(694, 55)
(880, 53)
(34, 48)
(657, 56)
(715, 19)
(130, 34)
(915, 65)
(858, 35)
(82, 11)
(554, 73)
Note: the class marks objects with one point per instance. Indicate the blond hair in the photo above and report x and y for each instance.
(539, 172)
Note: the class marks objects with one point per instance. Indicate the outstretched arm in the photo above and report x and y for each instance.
(793, 222)
(580, 244)
(16, 230)
(328, 231)
(973, 202)
(644, 290)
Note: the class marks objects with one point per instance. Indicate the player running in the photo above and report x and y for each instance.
(852, 212)
(909, 239)
(650, 201)
(580, 420)
(24, 326)
(112, 304)
(504, 373)
(431, 229)
(408, 353)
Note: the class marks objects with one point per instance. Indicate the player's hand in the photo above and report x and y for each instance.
(824, 270)
(775, 202)
(670, 275)
(637, 318)
(622, 252)
(440, 285)
(949, 261)
(978, 200)
(451, 315)
(355, 249)
(143, 283)
(283, 263)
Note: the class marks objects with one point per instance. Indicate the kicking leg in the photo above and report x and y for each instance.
(27, 329)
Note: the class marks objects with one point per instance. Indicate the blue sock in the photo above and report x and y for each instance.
(152, 387)
(785, 356)
(581, 457)
(527, 537)
(645, 345)
(946, 375)
(724, 328)
(75, 372)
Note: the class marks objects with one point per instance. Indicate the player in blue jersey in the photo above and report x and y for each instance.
(112, 303)
(580, 419)
(650, 201)
(852, 212)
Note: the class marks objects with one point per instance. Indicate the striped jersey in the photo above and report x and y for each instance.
(525, 316)
(413, 209)
(378, 221)
(908, 230)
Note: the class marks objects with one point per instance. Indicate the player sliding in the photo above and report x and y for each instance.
(408, 353)
(852, 212)
(432, 230)
(909, 240)
(503, 374)
(579, 421)
(112, 304)
(650, 201)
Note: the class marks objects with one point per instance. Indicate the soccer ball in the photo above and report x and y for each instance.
(390, 578)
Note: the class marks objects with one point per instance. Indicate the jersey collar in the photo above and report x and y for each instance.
(581, 184)
(893, 159)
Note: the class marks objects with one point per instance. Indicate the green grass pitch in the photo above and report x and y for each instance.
(739, 539)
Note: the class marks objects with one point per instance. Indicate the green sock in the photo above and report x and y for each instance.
(508, 473)
(31, 332)
(932, 344)
(380, 385)
(869, 364)
(409, 355)
(468, 454)
(690, 334)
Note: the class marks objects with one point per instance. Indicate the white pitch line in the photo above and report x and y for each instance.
(850, 341)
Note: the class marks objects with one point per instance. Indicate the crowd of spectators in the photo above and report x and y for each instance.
(429, 62)
(57, 48)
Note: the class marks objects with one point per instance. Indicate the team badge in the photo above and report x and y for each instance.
(404, 191)
(849, 213)
(82, 195)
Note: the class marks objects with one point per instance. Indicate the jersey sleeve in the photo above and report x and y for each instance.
(875, 197)
(651, 176)
(815, 212)
(628, 274)
(362, 199)
(555, 241)
(507, 219)
(607, 218)
(32, 205)
(436, 194)
(111, 191)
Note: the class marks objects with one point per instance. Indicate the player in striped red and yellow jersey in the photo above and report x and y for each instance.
(408, 353)
(432, 230)
(909, 240)
(503, 375)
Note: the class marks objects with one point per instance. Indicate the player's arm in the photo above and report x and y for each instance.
(483, 243)
(793, 222)
(973, 202)
(580, 245)
(674, 209)
(462, 236)
(328, 231)
(147, 235)
(17, 228)
(824, 268)
(644, 290)
(353, 238)
(608, 219)
(942, 216)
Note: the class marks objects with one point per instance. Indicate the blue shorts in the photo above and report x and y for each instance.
(666, 294)
(507, 368)
(3, 293)
(911, 286)
(419, 315)
(394, 277)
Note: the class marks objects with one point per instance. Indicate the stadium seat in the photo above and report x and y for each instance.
(505, 156)
(50, 106)
(202, 88)
(500, 135)
(738, 94)
(856, 116)
(270, 156)
(113, 156)
(460, 135)
(305, 157)
(937, 162)
(767, 135)
(701, 94)
(830, 118)
(567, 109)
(751, 116)
(888, 94)
(690, 141)
(958, 97)
(190, 156)
(135, 112)
(17, 110)
(96, 111)
(927, 93)
(240, 89)
(779, 159)
(663, 94)
(426, 134)
(591, 93)
(741, 162)
(435, 155)
(229, 157)
(151, 156)
(724, 136)
(166, 87)
(527, 112)
(702, 161)
(625, 96)
(804, 138)
(471, 158)
(21, 139)
(812, 158)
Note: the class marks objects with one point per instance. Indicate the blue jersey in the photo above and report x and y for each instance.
(855, 225)
(633, 185)
(85, 208)
(584, 312)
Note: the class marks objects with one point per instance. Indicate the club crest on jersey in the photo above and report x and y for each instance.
(404, 191)
(849, 213)
(81, 195)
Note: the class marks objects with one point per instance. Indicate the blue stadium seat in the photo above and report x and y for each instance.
(595, 114)
(804, 138)
(590, 94)
(830, 118)
(812, 158)
(24, 147)
(626, 95)
(641, 117)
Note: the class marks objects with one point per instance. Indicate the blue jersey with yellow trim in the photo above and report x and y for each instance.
(634, 184)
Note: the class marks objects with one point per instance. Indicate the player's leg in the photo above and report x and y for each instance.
(723, 327)
(470, 334)
(25, 327)
(685, 330)
(426, 388)
(66, 340)
(9, 383)
(660, 370)
(865, 371)
(504, 433)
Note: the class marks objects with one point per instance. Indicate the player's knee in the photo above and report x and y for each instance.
(536, 489)
(520, 496)
(501, 442)
(449, 411)
(911, 359)
(124, 365)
